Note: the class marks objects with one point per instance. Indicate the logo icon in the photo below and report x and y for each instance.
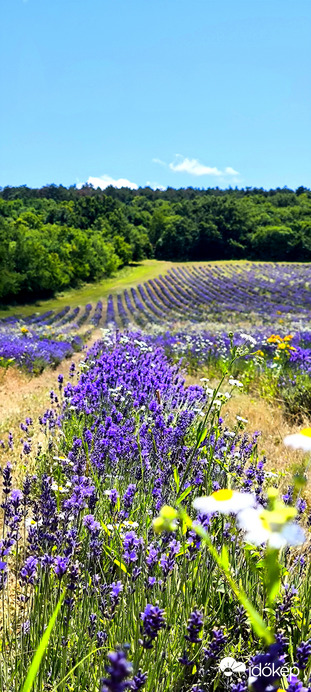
(229, 666)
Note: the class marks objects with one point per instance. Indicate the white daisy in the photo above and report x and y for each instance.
(224, 501)
(235, 383)
(300, 440)
(58, 488)
(264, 526)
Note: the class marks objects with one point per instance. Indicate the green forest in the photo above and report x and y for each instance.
(55, 237)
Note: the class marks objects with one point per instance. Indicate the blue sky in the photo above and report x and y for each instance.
(171, 92)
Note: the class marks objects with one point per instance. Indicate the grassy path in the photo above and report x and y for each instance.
(22, 396)
(91, 293)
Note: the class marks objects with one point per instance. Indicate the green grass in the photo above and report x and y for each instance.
(91, 293)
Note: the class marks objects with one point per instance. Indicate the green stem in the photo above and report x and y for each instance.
(258, 624)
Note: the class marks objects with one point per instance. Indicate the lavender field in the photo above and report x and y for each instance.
(147, 542)
(258, 294)
(264, 292)
(41, 340)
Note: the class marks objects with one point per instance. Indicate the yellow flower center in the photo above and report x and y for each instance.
(222, 495)
(306, 432)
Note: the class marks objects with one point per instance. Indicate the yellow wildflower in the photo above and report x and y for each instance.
(166, 521)
(274, 339)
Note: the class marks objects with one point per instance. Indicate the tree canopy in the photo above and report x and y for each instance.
(55, 237)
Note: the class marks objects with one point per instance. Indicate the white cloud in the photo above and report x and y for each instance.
(162, 163)
(155, 186)
(105, 180)
(193, 167)
(230, 171)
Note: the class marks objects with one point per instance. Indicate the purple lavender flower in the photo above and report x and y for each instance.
(88, 437)
(152, 557)
(167, 561)
(295, 685)
(128, 499)
(28, 572)
(239, 687)
(151, 581)
(27, 447)
(119, 669)
(113, 495)
(288, 497)
(90, 523)
(303, 654)
(153, 622)
(60, 566)
(216, 645)
(7, 479)
(131, 543)
(82, 490)
(282, 640)
(139, 680)
(25, 627)
(301, 505)
(115, 589)
(92, 625)
(101, 637)
(273, 660)
(15, 498)
(195, 624)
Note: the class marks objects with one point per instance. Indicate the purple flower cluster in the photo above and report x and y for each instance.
(119, 669)
(28, 352)
(119, 447)
(27, 341)
(153, 621)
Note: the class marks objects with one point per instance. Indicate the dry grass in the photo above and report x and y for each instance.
(22, 396)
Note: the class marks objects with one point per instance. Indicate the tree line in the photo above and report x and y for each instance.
(55, 237)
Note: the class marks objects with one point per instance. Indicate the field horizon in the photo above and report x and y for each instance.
(127, 277)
